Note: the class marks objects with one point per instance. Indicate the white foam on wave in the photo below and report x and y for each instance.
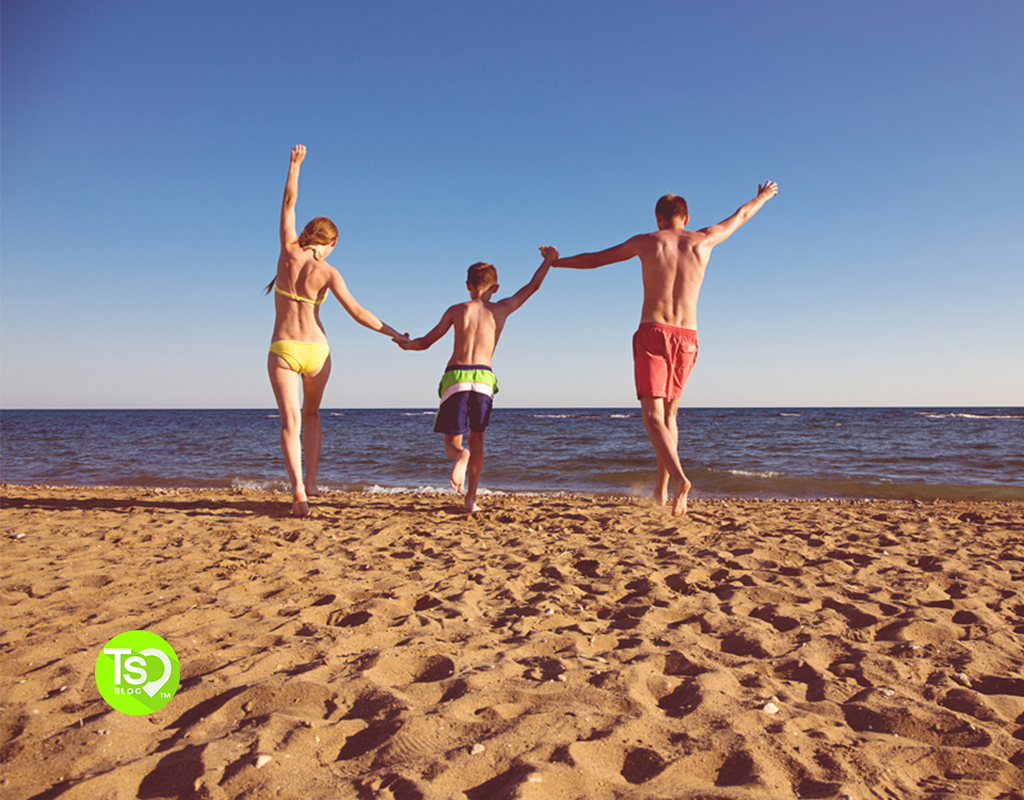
(965, 415)
(375, 489)
(989, 416)
(754, 473)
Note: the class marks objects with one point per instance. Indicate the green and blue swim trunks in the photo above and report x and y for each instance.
(467, 395)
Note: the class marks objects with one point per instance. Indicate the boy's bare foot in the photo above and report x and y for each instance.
(679, 507)
(458, 479)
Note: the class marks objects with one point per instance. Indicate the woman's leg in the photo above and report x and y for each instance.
(313, 385)
(286, 385)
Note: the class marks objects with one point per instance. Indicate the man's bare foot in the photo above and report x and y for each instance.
(471, 505)
(661, 490)
(312, 491)
(679, 507)
(458, 479)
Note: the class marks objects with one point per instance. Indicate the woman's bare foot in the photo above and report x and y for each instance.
(312, 491)
(471, 505)
(458, 479)
(300, 506)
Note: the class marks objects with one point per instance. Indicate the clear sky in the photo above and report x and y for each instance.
(145, 147)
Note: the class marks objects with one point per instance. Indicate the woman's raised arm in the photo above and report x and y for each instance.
(291, 194)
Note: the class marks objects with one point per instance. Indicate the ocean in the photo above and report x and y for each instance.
(794, 453)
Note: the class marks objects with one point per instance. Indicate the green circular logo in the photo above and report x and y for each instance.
(137, 672)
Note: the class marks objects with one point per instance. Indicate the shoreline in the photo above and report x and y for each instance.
(578, 646)
(732, 453)
(895, 493)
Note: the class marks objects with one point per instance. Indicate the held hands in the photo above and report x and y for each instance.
(549, 253)
(769, 190)
(298, 154)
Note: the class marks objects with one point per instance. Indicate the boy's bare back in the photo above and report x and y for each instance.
(478, 322)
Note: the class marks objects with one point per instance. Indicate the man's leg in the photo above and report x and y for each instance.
(671, 424)
(660, 422)
(476, 467)
(453, 449)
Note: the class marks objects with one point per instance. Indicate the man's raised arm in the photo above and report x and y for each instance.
(726, 228)
(613, 255)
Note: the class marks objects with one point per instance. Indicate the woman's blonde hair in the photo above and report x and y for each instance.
(319, 231)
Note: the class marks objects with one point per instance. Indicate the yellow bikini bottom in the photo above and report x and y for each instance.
(301, 357)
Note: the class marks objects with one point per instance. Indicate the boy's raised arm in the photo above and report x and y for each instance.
(727, 227)
(510, 304)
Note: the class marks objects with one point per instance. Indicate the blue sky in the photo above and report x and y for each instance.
(145, 146)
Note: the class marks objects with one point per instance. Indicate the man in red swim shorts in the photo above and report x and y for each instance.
(673, 261)
(663, 356)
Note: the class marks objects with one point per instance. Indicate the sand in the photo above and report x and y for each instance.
(549, 647)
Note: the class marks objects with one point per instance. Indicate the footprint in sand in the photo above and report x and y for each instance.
(922, 724)
(641, 765)
(341, 619)
(402, 670)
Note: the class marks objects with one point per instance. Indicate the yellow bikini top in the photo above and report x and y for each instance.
(291, 296)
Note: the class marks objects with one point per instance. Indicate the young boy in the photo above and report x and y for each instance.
(468, 386)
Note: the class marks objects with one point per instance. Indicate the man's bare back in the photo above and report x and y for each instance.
(673, 260)
(673, 264)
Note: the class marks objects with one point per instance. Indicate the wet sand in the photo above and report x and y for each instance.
(550, 647)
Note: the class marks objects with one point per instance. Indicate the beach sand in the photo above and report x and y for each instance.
(550, 647)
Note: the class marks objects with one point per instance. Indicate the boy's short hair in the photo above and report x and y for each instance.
(671, 206)
(482, 276)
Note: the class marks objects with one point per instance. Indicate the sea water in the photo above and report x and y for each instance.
(899, 453)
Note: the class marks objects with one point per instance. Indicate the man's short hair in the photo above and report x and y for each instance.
(671, 206)
(482, 276)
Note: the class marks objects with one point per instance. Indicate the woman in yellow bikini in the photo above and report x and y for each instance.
(300, 362)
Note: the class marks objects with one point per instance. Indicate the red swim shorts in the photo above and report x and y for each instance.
(663, 356)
